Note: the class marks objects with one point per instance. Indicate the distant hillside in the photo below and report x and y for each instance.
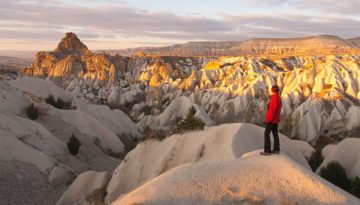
(355, 41)
(313, 45)
(18, 53)
(13, 63)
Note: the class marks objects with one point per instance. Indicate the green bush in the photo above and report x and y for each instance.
(190, 122)
(50, 100)
(315, 160)
(355, 187)
(32, 112)
(59, 103)
(147, 110)
(73, 145)
(336, 174)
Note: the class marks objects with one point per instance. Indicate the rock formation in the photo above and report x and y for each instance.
(317, 90)
(72, 59)
(319, 79)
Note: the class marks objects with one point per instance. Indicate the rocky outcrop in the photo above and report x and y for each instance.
(72, 59)
(241, 181)
(71, 44)
(216, 144)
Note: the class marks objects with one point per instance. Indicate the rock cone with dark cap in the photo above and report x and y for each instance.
(71, 44)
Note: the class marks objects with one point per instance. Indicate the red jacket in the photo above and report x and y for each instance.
(274, 109)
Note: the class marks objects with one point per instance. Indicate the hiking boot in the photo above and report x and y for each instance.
(265, 153)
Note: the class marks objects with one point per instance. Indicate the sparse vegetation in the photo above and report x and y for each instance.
(355, 187)
(95, 198)
(150, 133)
(315, 160)
(129, 142)
(336, 174)
(59, 103)
(147, 110)
(126, 108)
(73, 145)
(190, 122)
(32, 112)
(51, 100)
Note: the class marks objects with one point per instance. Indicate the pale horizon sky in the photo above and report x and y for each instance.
(116, 24)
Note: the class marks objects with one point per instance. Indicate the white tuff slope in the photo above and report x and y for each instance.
(253, 179)
(36, 150)
(219, 143)
(85, 185)
(347, 153)
(177, 108)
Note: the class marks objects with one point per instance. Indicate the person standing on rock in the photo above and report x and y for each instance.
(272, 120)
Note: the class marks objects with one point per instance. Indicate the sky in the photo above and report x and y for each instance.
(117, 24)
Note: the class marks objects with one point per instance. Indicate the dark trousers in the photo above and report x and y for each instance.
(271, 127)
